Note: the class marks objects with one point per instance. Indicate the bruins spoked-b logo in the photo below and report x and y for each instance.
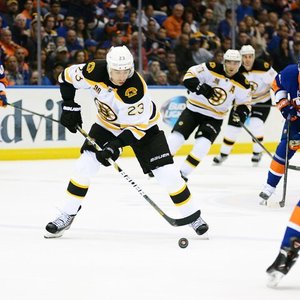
(218, 98)
(253, 86)
(105, 111)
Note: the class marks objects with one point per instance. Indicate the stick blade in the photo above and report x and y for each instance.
(183, 221)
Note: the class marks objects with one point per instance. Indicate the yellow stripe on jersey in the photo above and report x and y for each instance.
(67, 75)
(201, 105)
(189, 75)
(79, 185)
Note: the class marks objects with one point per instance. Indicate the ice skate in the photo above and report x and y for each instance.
(283, 263)
(256, 158)
(56, 228)
(265, 194)
(220, 158)
(200, 226)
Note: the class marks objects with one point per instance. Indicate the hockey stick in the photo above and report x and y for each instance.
(292, 167)
(286, 162)
(174, 222)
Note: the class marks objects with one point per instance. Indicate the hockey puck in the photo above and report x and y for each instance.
(183, 243)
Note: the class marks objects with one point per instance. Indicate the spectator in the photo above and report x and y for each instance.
(184, 58)
(173, 23)
(272, 25)
(100, 53)
(81, 31)
(48, 41)
(7, 44)
(54, 73)
(226, 44)
(27, 12)
(186, 28)
(242, 39)
(80, 57)
(200, 55)
(72, 42)
(212, 39)
(69, 23)
(220, 11)
(90, 47)
(218, 56)
(211, 22)
(119, 22)
(282, 57)
(188, 16)
(55, 11)
(35, 77)
(147, 15)
(153, 70)
(162, 78)
(134, 51)
(60, 41)
(274, 44)
(173, 74)
(243, 10)
(60, 55)
(250, 25)
(12, 11)
(22, 65)
(19, 32)
(151, 43)
(12, 73)
(225, 26)
(163, 40)
(32, 40)
(287, 19)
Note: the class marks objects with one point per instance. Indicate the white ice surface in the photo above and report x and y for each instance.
(119, 247)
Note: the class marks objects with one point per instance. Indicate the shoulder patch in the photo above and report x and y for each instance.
(261, 65)
(212, 64)
(241, 79)
(133, 89)
(215, 67)
(96, 71)
(90, 67)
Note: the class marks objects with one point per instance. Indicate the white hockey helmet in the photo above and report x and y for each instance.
(247, 49)
(119, 58)
(233, 55)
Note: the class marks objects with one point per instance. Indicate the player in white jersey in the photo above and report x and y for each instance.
(214, 88)
(260, 76)
(126, 116)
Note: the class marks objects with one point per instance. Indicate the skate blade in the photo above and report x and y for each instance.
(49, 235)
(263, 202)
(274, 278)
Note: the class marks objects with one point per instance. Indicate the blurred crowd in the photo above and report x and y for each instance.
(175, 34)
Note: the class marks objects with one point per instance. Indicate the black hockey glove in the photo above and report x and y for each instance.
(241, 113)
(110, 150)
(71, 115)
(204, 89)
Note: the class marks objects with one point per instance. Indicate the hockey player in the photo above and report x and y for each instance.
(260, 76)
(286, 89)
(3, 84)
(289, 249)
(126, 116)
(213, 90)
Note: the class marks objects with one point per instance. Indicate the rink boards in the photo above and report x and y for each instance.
(24, 135)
